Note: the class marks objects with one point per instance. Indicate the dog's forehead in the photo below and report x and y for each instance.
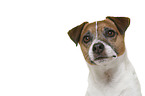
(98, 26)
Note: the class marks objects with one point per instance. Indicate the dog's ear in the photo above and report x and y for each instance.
(121, 23)
(75, 33)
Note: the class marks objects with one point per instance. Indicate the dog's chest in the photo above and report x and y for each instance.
(107, 84)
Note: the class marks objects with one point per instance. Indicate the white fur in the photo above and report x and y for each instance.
(115, 79)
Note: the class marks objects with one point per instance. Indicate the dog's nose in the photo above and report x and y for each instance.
(98, 48)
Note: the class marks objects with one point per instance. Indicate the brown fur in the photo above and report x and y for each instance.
(121, 23)
(85, 47)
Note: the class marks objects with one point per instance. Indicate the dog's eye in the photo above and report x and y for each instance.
(110, 33)
(86, 39)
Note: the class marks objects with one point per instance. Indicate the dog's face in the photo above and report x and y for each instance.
(103, 41)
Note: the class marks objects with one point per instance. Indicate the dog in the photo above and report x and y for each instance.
(103, 47)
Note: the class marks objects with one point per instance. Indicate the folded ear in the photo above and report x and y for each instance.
(75, 33)
(121, 23)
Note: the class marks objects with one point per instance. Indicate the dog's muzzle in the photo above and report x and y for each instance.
(100, 53)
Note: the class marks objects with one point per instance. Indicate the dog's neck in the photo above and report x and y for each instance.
(112, 72)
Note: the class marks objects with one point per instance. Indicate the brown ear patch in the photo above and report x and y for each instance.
(121, 23)
(75, 33)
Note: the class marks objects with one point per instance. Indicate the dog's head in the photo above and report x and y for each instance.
(103, 41)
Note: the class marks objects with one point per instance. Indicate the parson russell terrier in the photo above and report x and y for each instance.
(103, 47)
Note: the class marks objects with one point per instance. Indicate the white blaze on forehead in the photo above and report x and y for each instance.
(96, 30)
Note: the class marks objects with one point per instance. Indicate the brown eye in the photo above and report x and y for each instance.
(86, 39)
(110, 33)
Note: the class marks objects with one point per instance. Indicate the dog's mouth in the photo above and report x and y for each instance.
(101, 59)
(104, 57)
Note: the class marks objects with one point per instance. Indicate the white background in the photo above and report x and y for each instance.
(37, 58)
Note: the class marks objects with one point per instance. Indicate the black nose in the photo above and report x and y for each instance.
(98, 48)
